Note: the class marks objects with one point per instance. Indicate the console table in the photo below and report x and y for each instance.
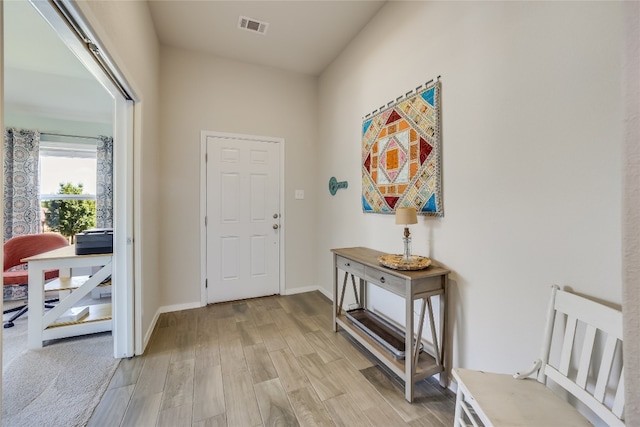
(44, 326)
(411, 285)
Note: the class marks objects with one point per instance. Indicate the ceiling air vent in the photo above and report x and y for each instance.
(252, 25)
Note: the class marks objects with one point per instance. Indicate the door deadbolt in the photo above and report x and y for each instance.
(275, 216)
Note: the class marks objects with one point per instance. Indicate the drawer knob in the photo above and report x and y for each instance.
(347, 264)
(382, 279)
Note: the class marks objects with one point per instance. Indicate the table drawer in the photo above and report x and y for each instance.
(350, 266)
(385, 280)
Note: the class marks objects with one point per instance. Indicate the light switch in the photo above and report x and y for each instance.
(299, 194)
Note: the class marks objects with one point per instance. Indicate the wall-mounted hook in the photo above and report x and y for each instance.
(334, 185)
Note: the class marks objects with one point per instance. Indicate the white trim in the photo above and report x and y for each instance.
(202, 218)
(123, 292)
(69, 154)
(47, 197)
(304, 289)
(68, 143)
(68, 149)
(283, 221)
(152, 327)
(325, 292)
(139, 343)
(203, 204)
(178, 307)
(167, 309)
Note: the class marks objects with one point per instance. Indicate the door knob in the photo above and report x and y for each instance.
(276, 226)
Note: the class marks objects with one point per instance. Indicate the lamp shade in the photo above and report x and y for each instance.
(406, 216)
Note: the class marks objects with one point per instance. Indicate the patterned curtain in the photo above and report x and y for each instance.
(104, 182)
(22, 212)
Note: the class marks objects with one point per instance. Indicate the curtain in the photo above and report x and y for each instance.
(22, 211)
(104, 182)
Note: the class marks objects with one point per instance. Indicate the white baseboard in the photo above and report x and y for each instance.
(179, 307)
(325, 292)
(300, 290)
(310, 289)
(147, 336)
(166, 309)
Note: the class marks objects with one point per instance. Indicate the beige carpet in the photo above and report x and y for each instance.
(58, 385)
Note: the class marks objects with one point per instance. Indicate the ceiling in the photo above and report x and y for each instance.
(42, 77)
(304, 36)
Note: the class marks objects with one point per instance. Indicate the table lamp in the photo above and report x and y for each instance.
(406, 216)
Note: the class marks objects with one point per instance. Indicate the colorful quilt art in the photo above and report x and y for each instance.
(401, 155)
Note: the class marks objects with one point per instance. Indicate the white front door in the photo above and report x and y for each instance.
(243, 218)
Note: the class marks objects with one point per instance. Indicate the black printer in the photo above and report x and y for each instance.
(95, 241)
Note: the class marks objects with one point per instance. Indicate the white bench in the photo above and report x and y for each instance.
(581, 358)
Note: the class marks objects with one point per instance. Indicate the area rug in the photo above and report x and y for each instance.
(57, 385)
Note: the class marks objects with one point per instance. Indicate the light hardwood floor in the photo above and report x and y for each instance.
(266, 361)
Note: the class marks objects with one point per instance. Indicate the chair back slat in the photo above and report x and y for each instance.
(585, 356)
(618, 403)
(567, 345)
(605, 368)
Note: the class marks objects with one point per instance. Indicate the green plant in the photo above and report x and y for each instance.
(70, 217)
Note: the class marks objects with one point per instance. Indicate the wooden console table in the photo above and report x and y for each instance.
(411, 285)
(43, 326)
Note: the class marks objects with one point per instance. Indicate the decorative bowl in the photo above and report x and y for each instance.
(397, 262)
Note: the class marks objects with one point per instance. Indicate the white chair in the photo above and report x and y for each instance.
(581, 362)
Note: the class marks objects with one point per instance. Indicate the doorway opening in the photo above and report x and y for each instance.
(74, 69)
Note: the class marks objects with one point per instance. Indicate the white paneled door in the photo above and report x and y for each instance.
(243, 218)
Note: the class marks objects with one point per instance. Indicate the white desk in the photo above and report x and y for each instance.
(42, 326)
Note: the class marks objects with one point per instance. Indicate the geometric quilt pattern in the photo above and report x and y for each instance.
(401, 155)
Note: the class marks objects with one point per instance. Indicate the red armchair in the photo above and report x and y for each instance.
(20, 247)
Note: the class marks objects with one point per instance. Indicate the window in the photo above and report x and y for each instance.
(65, 160)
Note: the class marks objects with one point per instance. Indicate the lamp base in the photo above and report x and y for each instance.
(407, 247)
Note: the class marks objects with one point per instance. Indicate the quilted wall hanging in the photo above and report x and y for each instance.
(401, 154)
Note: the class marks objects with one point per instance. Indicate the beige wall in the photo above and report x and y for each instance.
(532, 141)
(201, 92)
(631, 216)
(127, 32)
(71, 127)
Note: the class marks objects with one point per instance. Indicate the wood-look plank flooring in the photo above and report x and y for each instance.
(272, 361)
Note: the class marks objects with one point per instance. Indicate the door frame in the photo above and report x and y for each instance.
(126, 320)
(203, 204)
